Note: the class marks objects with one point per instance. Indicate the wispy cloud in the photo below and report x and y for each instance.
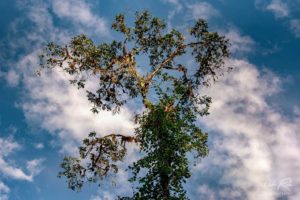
(279, 8)
(177, 7)
(7, 147)
(239, 44)
(106, 196)
(295, 27)
(12, 78)
(284, 10)
(80, 13)
(4, 191)
(202, 10)
(35, 166)
(176, 3)
(39, 146)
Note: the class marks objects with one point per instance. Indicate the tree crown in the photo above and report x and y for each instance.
(145, 63)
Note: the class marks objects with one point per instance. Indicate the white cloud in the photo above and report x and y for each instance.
(12, 78)
(253, 143)
(283, 9)
(202, 10)
(279, 8)
(96, 198)
(13, 172)
(64, 110)
(177, 7)
(35, 166)
(39, 146)
(7, 147)
(295, 27)
(4, 191)
(240, 44)
(176, 3)
(60, 108)
(4, 188)
(106, 196)
(50, 100)
(296, 110)
(207, 192)
(80, 13)
(3, 197)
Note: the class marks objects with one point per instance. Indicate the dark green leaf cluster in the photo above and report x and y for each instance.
(209, 50)
(166, 138)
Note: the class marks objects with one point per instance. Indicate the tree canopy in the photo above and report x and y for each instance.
(147, 64)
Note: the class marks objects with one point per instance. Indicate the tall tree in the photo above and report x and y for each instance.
(168, 89)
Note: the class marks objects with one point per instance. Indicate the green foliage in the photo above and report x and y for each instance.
(166, 138)
(167, 130)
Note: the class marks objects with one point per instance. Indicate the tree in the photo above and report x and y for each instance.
(169, 91)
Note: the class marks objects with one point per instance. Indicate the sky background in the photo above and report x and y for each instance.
(254, 122)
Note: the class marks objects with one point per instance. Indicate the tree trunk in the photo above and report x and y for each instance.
(163, 176)
(164, 182)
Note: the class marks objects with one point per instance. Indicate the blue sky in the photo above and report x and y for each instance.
(254, 123)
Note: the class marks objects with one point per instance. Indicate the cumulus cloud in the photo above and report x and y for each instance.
(254, 147)
(202, 10)
(62, 109)
(39, 16)
(50, 100)
(80, 13)
(279, 8)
